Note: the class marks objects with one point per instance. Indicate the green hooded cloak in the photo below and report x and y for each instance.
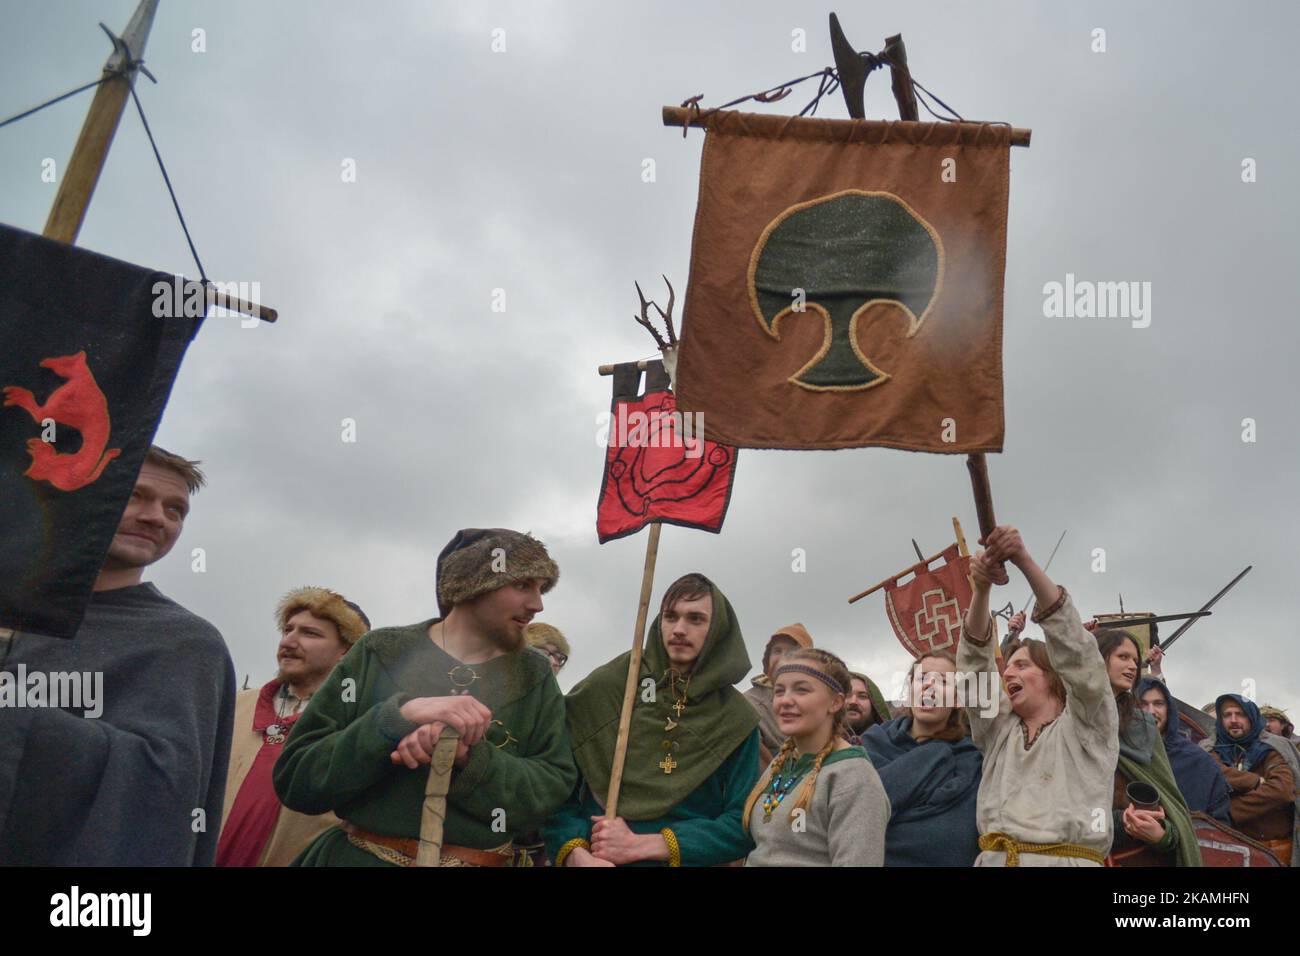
(1142, 758)
(715, 721)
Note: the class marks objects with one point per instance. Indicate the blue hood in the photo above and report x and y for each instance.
(1233, 749)
(1197, 774)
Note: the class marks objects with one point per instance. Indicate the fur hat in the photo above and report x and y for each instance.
(1268, 711)
(538, 634)
(328, 605)
(468, 565)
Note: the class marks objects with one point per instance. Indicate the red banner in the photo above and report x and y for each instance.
(927, 611)
(658, 467)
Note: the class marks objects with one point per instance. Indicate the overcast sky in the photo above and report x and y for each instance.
(521, 170)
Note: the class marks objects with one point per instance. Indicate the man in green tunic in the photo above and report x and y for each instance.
(692, 754)
(363, 746)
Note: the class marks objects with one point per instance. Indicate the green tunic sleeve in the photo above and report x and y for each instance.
(336, 752)
(706, 841)
(529, 786)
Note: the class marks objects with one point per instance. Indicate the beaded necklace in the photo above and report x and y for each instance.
(777, 790)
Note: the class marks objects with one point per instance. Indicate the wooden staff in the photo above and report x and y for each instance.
(642, 365)
(894, 577)
(979, 483)
(993, 618)
(681, 116)
(433, 812)
(961, 544)
(81, 175)
(633, 672)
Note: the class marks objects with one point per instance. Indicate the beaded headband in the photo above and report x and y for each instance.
(826, 679)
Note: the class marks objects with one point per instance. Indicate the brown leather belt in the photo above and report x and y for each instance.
(408, 847)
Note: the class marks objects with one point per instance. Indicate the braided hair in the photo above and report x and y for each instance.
(838, 671)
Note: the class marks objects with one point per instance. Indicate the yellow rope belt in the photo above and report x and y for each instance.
(1000, 842)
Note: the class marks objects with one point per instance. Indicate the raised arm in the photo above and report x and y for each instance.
(1072, 649)
(977, 655)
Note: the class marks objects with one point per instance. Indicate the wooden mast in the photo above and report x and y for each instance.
(82, 172)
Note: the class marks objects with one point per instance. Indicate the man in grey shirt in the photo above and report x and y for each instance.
(132, 770)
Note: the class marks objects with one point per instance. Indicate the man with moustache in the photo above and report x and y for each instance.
(1261, 769)
(363, 746)
(140, 783)
(317, 627)
(692, 750)
(866, 708)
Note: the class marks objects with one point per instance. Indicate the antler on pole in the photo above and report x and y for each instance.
(644, 318)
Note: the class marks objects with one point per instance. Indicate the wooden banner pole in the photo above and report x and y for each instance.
(633, 671)
(993, 618)
(81, 174)
(979, 483)
(876, 587)
(681, 116)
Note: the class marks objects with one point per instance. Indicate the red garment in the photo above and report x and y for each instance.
(256, 808)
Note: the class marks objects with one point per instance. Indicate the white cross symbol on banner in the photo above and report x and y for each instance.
(936, 614)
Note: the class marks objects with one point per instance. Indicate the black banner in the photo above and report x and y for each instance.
(86, 367)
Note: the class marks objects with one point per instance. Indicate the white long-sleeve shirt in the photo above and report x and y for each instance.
(1060, 789)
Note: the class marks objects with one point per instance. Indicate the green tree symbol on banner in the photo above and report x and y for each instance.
(845, 251)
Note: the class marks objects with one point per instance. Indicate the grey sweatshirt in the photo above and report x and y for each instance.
(843, 826)
(141, 784)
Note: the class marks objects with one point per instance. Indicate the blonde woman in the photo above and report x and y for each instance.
(820, 803)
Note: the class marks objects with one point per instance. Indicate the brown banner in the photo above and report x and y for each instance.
(846, 284)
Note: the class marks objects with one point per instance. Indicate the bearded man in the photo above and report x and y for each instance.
(363, 744)
(866, 708)
(1261, 769)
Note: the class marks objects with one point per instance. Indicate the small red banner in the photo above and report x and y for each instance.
(926, 612)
